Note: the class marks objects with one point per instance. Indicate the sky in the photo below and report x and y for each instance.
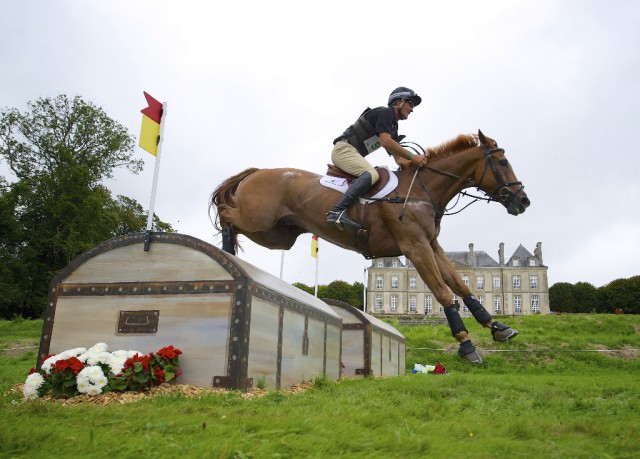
(252, 83)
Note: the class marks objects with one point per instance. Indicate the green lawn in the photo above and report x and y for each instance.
(544, 401)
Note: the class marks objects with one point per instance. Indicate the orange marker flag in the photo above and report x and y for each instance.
(314, 246)
(150, 130)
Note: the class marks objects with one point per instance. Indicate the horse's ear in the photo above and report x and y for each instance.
(483, 139)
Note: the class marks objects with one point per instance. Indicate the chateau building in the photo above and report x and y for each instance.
(516, 286)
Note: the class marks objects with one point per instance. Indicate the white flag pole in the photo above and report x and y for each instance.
(317, 263)
(154, 186)
(281, 263)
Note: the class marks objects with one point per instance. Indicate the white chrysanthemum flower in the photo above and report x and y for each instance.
(116, 363)
(95, 358)
(31, 386)
(91, 380)
(98, 348)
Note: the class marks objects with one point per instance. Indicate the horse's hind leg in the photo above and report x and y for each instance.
(500, 332)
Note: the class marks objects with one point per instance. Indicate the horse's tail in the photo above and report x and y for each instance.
(223, 198)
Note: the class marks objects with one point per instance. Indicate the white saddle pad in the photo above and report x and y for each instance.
(340, 184)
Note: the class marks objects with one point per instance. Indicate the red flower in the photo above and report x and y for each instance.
(72, 363)
(159, 374)
(169, 352)
(143, 359)
(439, 370)
(33, 370)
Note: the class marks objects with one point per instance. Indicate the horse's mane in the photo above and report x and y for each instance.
(451, 147)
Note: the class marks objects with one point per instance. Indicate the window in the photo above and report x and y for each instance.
(496, 282)
(412, 304)
(535, 304)
(428, 304)
(497, 304)
(465, 280)
(378, 303)
(394, 303)
(517, 303)
(532, 262)
(534, 281)
(480, 282)
(412, 283)
(379, 282)
(480, 299)
(394, 281)
(516, 281)
(515, 262)
(394, 263)
(379, 263)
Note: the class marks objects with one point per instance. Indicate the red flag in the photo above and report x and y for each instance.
(150, 129)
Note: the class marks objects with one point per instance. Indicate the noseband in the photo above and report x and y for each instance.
(502, 193)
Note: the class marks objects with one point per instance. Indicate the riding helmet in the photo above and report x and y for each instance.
(405, 94)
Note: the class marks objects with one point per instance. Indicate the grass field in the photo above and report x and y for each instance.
(553, 396)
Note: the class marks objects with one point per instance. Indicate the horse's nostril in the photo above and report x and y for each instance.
(525, 202)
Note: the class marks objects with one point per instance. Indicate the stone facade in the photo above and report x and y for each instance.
(516, 286)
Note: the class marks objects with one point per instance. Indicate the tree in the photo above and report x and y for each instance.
(352, 294)
(586, 297)
(561, 298)
(60, 151)
(621, 294)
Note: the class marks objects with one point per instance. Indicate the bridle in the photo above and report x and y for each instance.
(502, 193)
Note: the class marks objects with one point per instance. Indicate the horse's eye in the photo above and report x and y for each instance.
(503, 162)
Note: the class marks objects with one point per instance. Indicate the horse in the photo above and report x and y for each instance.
(272, 207)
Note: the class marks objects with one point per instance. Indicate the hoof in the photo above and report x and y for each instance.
(502, 333)
(467, 351)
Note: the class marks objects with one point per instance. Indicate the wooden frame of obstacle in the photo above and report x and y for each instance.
(369, 345)
(235, 323)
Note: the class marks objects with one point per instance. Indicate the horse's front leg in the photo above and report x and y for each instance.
(421, 254)
(500, 332)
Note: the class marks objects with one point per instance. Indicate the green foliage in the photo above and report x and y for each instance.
(60, 151)
(621, 295)
(338, 290)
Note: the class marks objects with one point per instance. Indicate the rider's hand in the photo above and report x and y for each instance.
(419, 160)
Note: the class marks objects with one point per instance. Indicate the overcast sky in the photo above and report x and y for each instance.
(272, 83)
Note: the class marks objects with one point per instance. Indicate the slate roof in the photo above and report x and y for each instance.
(482, 259)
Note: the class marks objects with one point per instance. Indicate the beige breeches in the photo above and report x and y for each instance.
(347, 158)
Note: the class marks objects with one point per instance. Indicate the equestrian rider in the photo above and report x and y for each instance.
(375, 128)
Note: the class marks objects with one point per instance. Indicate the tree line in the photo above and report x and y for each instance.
(55, 206)
(618, 296)
(352, 294)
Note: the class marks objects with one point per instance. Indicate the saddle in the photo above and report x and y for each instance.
(383, 173)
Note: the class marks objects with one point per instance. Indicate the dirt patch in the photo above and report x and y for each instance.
(164, 389)
(18, 348)
(626, 353)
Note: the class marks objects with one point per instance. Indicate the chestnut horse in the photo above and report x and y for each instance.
(272, 207)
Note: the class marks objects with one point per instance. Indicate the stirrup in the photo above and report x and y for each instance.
(468, 352)
(339, 218)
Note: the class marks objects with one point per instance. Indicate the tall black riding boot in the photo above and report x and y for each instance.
(338, 215)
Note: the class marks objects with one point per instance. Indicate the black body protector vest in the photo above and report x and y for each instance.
(363, 136)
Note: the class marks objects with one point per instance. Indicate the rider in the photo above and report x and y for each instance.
(375, 128)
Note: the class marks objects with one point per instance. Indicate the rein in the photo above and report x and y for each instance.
(501, 193)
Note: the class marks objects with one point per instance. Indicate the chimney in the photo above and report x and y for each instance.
(501, 254)
(538, 253)
(471, 259)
